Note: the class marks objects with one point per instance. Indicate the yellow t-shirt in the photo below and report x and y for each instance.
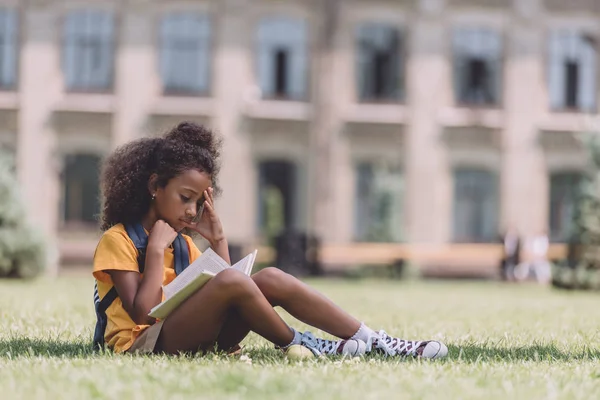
(116, 251)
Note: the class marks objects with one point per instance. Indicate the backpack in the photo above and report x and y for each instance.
(140, 239)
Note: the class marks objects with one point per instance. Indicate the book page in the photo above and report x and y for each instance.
(245, 265)
(241, 265)
(251, 264)
(209, 261)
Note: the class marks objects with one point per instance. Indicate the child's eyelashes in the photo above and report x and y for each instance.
(199, 202)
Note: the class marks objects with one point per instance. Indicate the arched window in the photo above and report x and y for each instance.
(379, 203)
(277, 196)
(81, 188)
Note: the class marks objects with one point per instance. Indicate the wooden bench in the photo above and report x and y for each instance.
(469, 259)
(455, 259)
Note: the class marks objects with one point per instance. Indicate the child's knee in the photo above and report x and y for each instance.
(270, 281)
(230, 279)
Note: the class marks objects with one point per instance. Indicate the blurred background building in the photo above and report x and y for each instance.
(427, 126)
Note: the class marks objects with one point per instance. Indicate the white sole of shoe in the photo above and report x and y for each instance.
(353, 348)
(434, 350)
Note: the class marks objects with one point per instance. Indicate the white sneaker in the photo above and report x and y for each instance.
(350, 347)
(391, 346)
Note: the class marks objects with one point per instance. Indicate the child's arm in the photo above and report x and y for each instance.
(222, 249)
(139, 294)
(209, 226)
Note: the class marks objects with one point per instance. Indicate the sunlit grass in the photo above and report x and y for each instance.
(523, 342)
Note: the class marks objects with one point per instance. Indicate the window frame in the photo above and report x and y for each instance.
(205, 23)
(107, 44)
(494, 59)
(299, 50)
(14, 52)
(492, 189)
(401, 55)
(556, 75)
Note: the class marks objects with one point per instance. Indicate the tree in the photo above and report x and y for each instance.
(22, 252)
(581, 269)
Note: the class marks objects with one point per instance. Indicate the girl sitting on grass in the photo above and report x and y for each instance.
(163, 183)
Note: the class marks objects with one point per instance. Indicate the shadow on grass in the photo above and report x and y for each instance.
(15, 347)
(19, 347)
(470, 352)
(478, 352)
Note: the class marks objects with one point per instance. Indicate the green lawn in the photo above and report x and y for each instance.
(506, 342)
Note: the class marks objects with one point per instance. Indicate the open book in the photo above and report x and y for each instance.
(196, 275)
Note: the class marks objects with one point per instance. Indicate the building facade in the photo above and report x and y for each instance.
(406, 121)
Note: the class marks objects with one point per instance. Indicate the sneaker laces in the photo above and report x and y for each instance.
(319, 346)
(328, 347)
(308, 340)
(392, 346)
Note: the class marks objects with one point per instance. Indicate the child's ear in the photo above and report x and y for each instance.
(153, 184)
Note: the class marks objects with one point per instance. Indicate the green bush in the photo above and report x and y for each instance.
(22, 252)
(581, 268)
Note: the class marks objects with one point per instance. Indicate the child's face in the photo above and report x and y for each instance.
(182, 198)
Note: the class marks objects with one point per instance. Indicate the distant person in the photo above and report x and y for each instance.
(541, 266)
(162, 185)
(536, 266)
(511, 244)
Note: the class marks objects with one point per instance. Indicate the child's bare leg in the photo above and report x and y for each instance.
(305, 303)
(197, 322)
(297, 298)
(311, 307)
(234, 330)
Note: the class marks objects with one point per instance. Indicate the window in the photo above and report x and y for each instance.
(475, 206)
(477, 66)
(8, 49)
(563, 194)
(282, 61)
(184, 53)
(572, 71)
(81, 188)
(88, 53)
(379, 67)
(277, 194)
(8, 154)
(379, 203)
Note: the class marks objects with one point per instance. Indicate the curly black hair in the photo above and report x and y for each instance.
(126, 172)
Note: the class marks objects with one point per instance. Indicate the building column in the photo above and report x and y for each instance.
(326, 123)
(524, 182)
(231, 74)
(39, 89)
(135, 78)
(428, 83)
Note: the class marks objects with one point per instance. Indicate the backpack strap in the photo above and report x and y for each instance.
(181, 254)
(138, 236)
(101, 305)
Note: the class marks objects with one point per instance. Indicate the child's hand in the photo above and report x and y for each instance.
(209, 225)
(161, 235)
